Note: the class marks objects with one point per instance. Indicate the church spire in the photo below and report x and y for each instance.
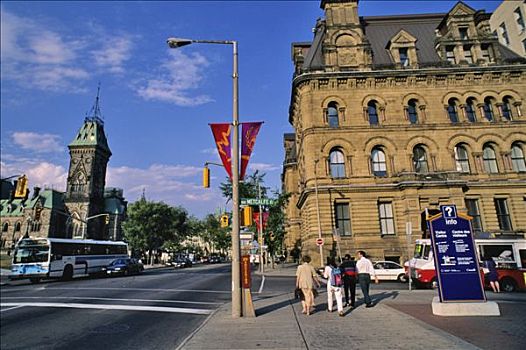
(94, 114)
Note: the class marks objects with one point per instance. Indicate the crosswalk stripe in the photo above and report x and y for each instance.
(115, 307)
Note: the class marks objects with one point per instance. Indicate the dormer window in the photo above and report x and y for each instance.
(404, 57)
(504, 34)
(402, 48)
(463, 32)
(486, 52)
(450, 54)
(468, 54)
(519, 20)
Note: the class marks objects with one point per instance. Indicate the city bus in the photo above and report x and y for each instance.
(41, 258)
(509, 256)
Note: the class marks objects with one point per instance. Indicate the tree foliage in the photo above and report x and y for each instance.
(150, 225)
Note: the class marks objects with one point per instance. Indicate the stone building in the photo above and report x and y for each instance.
(80, 211)
(508, 23)
(396, 114)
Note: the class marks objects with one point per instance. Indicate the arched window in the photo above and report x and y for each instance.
(489, 158)
(17, 227)
(488, 109)
(462, 159)
(337, 164)
(332, 115)
(412, 114)
(506, 108)
(5, 227)
(420, 159)
(372, 111)
(470, 110)
(378, 163)
(517, 157)
(452, 110)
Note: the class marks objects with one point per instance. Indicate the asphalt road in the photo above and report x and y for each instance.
(155, 310)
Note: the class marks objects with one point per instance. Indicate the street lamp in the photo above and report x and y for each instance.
(175, 43)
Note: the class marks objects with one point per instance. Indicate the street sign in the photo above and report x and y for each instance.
(455, 256)
(319, 242)
(246, 236)
(258, 201)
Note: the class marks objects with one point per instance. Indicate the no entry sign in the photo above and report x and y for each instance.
(319, 242)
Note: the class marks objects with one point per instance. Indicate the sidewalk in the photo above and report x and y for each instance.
(281, 325)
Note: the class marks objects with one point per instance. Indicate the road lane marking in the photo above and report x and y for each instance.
(121, 299)
(143, 289)
(116, 307)
(12, 308)
(262, 284)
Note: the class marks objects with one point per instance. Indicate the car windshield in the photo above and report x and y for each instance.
(118, 262)
(31, 254)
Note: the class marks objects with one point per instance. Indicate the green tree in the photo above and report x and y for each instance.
(213, 234)
(151, 224)
(275, 224)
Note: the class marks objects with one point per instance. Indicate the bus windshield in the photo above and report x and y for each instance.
(422, 251)
(37, 253)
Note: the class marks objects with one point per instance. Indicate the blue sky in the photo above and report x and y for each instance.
(156, 102)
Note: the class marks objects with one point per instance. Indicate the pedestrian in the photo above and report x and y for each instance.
(365, 271)
(334, 285)
(306, 278)
(348, 268)
(490, 273)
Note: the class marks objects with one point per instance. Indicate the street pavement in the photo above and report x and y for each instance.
(401, 319)
(190, 309)
(155, 310)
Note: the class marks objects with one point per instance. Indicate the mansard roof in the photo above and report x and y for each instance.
(379, 30)
(91, 134)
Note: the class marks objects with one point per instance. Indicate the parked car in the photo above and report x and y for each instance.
(389, 270)
(214, 260)
(124, 267)
(181, 262)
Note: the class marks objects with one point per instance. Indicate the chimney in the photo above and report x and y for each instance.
(36, 192)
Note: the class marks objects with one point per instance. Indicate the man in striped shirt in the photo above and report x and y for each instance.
(365, 271)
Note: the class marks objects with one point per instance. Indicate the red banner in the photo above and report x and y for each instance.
(265, 219)
(249, 132)
(221, 133)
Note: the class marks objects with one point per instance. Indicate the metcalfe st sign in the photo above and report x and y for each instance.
(455, 257)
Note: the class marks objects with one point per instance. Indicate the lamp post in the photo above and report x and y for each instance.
(318, 209)
(236, 267)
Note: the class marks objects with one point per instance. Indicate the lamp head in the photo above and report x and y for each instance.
(174, 43)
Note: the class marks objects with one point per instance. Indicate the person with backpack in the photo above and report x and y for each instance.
(334, 285)
(348, 268)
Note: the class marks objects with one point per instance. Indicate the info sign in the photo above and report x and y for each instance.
(455, 257)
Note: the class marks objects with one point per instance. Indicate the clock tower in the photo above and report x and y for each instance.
(89, 156)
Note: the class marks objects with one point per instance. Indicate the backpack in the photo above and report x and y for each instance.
(336, 277)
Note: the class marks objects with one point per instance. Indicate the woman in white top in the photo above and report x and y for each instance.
(337, 290)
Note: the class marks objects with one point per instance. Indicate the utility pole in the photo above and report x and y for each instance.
(260, 231)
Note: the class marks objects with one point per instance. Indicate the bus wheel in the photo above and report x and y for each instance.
(34, 280)
(68, 273)
(508, 285)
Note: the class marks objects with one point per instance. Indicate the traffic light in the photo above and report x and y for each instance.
(224, 220)
(38, 211)
(107, 219)
(206, 177)
(247, 216)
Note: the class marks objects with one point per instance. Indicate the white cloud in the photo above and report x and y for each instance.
(113, 54)
(263, 167)
(39, 173)
(180, 73)
(37, 57)
(40, 143)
